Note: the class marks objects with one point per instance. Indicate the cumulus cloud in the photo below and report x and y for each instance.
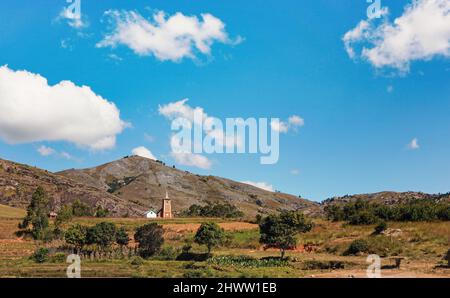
(414, 144)
(192, 160)
(46, 151)
(31, 110)
(262, 185)
(143, 152)
(294, 122)
(165, 37)
(422, 32)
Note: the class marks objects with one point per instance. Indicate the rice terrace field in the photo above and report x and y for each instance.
(319, 253)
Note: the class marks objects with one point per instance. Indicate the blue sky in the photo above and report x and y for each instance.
(280, 59)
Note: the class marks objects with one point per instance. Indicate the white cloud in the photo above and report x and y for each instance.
(66, 155)
(143, 152)
(180, 109)
(33, 111)
(295, 172)
(414, 144)
(390, 89)
(294, 122)
(165, 37)
(46, 151)
(279, 126)
(192, 160)
(262, 185)
(422, 32)
(73, 16)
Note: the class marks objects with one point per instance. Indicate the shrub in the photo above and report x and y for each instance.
(76, 235)
(323, 265)
(58, 258)
(380, 228)
(136, 261)
(225, 210)
(101, 213)
(150, 239)
(247, 261)
(81, 209)
(102, 234)
(361, 212)
(357, 246)
(64, 215)
(122, 237)
(363, 218)
(41, 255)
(168, 254)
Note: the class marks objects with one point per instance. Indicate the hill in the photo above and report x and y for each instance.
(18, 182)
(388, 198)
(144, 182)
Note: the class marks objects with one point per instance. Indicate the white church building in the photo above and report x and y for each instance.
(150, 214)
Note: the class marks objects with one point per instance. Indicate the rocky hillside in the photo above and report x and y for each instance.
(389, 198)
(144, 182)
(18, 182)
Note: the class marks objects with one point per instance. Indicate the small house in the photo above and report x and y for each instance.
(53, 215)
(150, 214)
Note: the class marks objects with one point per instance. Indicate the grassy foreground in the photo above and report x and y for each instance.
(320, 253)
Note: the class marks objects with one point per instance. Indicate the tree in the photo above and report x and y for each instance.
(277, 234)
(37, 215)
(76, 235)
(150, 239)
(81, 209)
(297, 220)
(64, 215)
(209, 234)
(102, 234)
(122, 238)
(279, 231)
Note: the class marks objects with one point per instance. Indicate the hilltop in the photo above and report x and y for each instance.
(19, 181)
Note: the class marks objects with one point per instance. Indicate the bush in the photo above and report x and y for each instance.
(76, 235)
(323, 265)
(41, 255)
(225, 210)
(102, 234)
(357, 246)
(247, 261)
(168, 254)
(150, 239)
(58, 258)
(380, 228)
(101, 213)
(81, 209)
(363, 213)
(363, 218)
(136, 261)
